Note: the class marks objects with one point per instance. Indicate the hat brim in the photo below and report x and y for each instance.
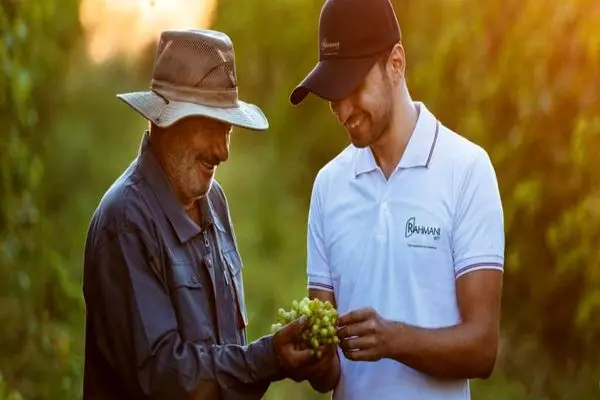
(334, 79)
(162, 113)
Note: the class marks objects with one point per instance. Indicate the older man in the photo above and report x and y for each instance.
(163, 283)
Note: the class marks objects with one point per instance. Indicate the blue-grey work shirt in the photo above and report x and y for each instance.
(165, 309)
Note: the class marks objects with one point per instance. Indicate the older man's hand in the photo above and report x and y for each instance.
(297, 363)
(317, 367)
(288, 354)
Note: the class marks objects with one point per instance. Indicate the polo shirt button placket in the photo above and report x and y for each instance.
(384, 219)
(381, 221)
(384, 208)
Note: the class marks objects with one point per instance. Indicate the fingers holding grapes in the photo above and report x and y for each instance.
(317, 337)
(320, 333)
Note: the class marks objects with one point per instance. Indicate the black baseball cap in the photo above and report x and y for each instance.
(352, 36)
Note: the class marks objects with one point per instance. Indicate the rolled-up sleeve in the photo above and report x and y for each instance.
(136, 328)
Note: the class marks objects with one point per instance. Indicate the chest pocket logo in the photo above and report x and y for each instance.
(423, 233)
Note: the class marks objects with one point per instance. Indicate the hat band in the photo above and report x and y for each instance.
(224, 98)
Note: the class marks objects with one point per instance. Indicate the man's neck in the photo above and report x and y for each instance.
(389, 149)
(193, 210)
(190, 206)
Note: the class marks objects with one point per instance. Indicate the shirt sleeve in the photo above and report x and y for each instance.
(137, 331)
(319, 275)
(478, 233)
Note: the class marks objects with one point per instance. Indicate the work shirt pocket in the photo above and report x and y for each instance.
(234, 269)
(233, 263)
(190, 299)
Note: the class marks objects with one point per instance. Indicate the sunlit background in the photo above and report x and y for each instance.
(125, 27)
(519, 77)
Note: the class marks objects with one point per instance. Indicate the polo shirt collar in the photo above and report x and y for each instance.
(184, 227)
(418, 151)
(365, 161)
(422, 142)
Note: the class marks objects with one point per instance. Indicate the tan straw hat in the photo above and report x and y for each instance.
(194, 75)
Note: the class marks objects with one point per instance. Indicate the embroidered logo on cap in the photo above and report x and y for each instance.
(330, 48)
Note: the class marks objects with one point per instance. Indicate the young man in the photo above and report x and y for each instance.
(163, 287)
(405, 227)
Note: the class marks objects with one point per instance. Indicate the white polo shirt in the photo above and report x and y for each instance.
(399, 245)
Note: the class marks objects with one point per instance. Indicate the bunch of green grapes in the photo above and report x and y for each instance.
(322, 320)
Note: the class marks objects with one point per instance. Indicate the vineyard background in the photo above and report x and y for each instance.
(519, 77)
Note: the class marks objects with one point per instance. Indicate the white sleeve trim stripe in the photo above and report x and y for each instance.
(320, 276)
(477, 260)
(320, 286)
(478, 266)
(494, 256)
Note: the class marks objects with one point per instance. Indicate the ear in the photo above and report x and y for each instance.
(398, 62)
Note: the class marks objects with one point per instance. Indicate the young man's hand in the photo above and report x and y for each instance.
(364, 335)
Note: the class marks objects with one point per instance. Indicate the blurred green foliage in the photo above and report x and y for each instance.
(518, 77)
(40, 307)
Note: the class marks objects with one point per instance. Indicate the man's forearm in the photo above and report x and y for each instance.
(177, 368)
(457, 352)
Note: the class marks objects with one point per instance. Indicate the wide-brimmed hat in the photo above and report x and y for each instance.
(353, 35)
(195, 75)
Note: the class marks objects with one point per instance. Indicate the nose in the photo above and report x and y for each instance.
(221, 146)
(342, 109)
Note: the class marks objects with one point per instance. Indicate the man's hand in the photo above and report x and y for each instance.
(290, 357)
(317, 366)
(364, 335)
(466, 350)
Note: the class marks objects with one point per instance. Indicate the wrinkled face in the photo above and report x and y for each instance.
(191, 150)
(366, 113)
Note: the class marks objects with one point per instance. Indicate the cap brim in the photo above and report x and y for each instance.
(154, 108)
(334, 79)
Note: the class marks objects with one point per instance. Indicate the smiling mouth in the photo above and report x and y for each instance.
(208, 165)
(354, 122)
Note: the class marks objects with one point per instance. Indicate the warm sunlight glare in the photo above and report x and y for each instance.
(125, 26)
